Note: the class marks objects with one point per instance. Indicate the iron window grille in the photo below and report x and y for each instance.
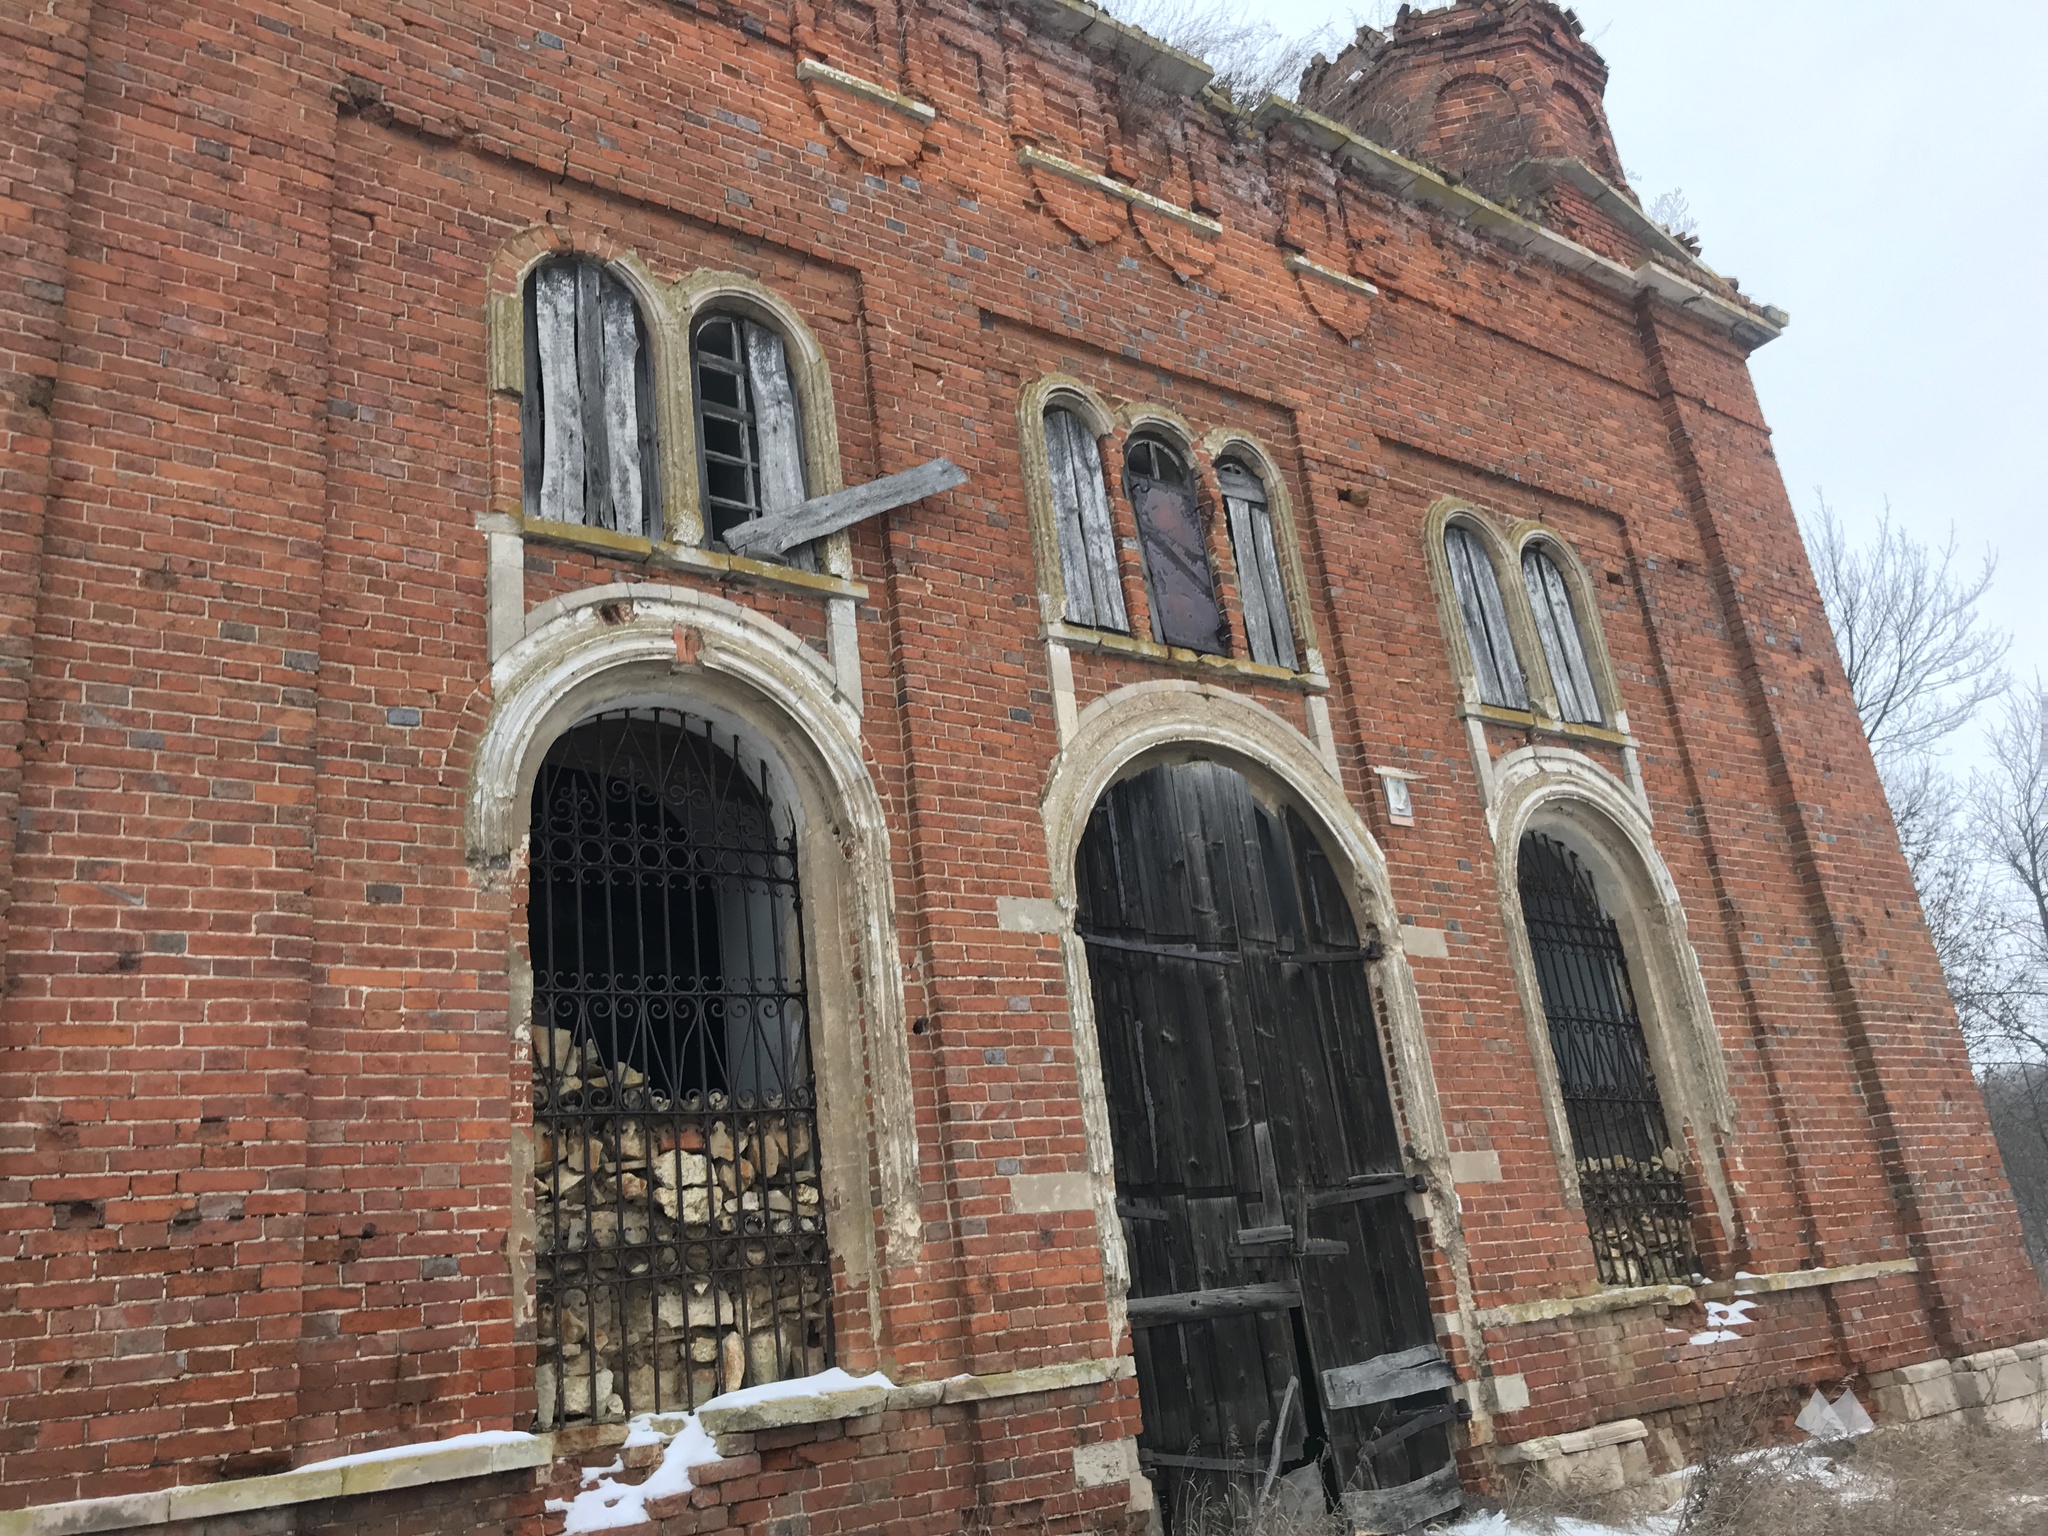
(680, 1246)
(1631, 1177)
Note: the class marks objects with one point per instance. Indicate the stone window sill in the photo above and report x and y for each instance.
(1108, 642)
(1621, 1299)
(665, 555)
(1543, 725)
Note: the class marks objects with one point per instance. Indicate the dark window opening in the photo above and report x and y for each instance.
(1178, 580)
(1631, 1177)
(749, 428)
(679, 1218)
(587, 440)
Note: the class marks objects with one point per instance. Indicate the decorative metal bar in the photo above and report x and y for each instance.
(1631, 1179)
(679, 1226)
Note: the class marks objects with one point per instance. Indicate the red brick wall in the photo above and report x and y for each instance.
(254, 1056)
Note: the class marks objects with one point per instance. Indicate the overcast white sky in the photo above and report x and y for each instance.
(1880, 169)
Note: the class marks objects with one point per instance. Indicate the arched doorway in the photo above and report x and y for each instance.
(680, 1247)
(1282, 1328)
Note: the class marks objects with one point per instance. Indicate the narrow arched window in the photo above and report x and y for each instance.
(1267, 627)
(587, 412)
(1494, 662)
(749, 427)
(1630, 1177)
(1564, 644)
(1178, 580)
(1080, 509)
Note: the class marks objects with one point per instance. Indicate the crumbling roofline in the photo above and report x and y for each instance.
(1160, 64)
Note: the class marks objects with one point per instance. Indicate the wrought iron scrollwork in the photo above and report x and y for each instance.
(679, 1236)
(1631, 1179)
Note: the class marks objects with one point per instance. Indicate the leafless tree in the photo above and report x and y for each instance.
(1253, 59)
(1922, 664)
(1919, 658)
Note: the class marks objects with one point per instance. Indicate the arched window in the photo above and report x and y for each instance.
(1487, 637)
(587, 412)
(749, 430)
(1564, 646)
(679, 1230)
(1080, 506)
(1266, 624)
(1630, 1177)
(1178, 580)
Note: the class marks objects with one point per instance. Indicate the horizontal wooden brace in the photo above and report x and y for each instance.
(1224, 1301)
(780, 532)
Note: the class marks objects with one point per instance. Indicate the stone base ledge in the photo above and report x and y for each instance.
(465, 1456)
(824, 1407)
(1606, 1458)
(1625, 1298)
(1996, 1388)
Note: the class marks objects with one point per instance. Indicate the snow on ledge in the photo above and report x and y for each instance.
(424, 1448)
(604, 1503)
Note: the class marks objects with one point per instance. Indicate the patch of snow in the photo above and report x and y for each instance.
(1723, 1318)
(452, 1443)
(604, 1503)
(1501, 1525)
(834, 1380)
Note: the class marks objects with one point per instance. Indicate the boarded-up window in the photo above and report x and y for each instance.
(1486, 620)
(1080, 507)
(1266, 623)
(1177, 575)
(587, 413)
(1564, 646)
(749, 434)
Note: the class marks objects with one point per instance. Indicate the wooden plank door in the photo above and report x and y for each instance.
(1257, 1158)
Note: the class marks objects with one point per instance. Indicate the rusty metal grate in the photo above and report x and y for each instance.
(679, 1220)
(1631, 1179)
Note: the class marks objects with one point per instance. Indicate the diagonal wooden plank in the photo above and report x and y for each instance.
(780, 531)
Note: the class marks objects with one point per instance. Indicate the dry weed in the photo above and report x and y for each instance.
(1894, 1482)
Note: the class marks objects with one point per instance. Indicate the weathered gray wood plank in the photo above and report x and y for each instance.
(822, 515)
(1223, 1301)
(1393, 1510)
(597, 466)
(561, 481)
(1061, 473)
(777, 433)
(1421, 1369)
(622, 406)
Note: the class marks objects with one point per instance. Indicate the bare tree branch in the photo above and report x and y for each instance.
(1253, 59)
(1920, 663)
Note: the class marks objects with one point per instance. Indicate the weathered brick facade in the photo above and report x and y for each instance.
(277, 646)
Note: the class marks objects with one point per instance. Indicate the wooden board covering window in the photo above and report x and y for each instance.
(1564, 646)
(1080, 504)
(587, 411)
(1487, 637)
(1268, 629)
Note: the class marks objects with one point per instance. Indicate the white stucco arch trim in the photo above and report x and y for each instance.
(1169, 720)
(1568, 796)
(648, 645)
